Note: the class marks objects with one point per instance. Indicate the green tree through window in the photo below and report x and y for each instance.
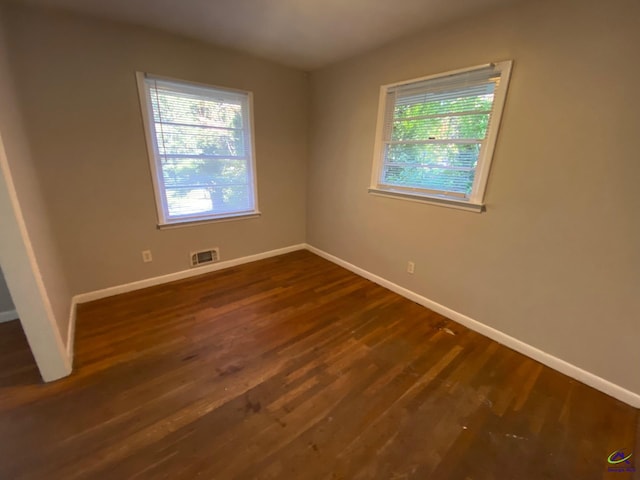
(434, 133)
(203, 146)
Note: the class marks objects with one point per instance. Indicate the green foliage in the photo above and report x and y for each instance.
(202, 148)
(426, 152)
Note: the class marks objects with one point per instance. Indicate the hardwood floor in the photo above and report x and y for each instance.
(294, 368)
(17, 366)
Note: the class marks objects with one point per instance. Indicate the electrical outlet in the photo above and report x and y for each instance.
(411, 267)
(146, 256)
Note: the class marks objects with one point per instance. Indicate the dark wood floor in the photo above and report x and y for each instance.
(294, 368)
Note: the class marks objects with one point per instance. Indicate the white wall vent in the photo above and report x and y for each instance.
(205, 257)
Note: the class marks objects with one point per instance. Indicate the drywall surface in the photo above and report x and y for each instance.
(27, 256)
(554, 261)
(76, 82)
(28, 189)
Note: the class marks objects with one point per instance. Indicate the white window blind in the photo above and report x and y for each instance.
(200, 145)
(437, 134)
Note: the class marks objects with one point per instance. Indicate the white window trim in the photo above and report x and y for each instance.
(475, 203)
(156, 174)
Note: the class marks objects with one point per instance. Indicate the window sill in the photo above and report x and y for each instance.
(195, 222)
(432, 200)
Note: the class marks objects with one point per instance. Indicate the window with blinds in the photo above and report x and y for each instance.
(436, 135)
(200, 148)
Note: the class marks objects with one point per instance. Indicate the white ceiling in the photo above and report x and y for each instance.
(303, 33)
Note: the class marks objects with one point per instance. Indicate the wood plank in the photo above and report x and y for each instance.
(292, 367)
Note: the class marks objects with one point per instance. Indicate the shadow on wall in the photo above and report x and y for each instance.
(6, 304)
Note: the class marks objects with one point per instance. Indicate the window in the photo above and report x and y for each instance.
(200, 147)
(436, 136)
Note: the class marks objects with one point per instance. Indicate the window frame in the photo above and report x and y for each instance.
(163, 218)
(475, 201)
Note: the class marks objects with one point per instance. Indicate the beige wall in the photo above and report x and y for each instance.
(555, 260)
(76, 82)
(28, 252)
(6, 304)
(30, 193)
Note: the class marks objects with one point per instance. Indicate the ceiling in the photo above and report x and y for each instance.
(307, 34)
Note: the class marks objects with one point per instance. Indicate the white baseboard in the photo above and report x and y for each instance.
(8, 316)
(172, 277)
(545, 358)
(71, 330)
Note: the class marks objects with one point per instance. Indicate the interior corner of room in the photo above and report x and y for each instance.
(552, 262)
(550, 267)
